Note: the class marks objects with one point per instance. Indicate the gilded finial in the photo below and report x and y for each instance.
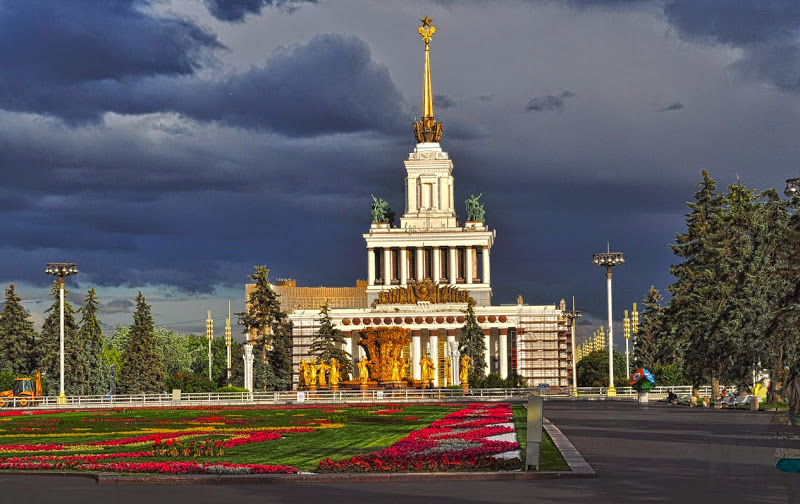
(427, 129)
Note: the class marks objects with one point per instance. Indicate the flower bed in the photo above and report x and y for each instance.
(458, 442)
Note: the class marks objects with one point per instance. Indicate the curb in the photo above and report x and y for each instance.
(576, 462)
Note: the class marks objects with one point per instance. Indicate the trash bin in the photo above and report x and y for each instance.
(754, 402)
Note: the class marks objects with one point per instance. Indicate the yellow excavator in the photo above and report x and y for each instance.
(26, 392)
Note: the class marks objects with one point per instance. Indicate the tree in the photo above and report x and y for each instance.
(471, 343)
(592, 370)
(270, 331)
(17, 337)
(141, 367)
(49, 348)
(91, 334)
(653, 344)
(326, 343)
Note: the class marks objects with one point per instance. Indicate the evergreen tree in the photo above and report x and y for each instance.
(49, 348)
(271, 333)
(470, 342)
(92, 335)
(328, 342)
(17, 337)
(653, 345)
(141, 367)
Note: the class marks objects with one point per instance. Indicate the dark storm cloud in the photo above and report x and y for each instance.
(331, 84)
(47, 48)
(767, 31)
(671, 106)
(486, 98)
(549, 102)
(117, 306)
(443, 101)
(235, 11)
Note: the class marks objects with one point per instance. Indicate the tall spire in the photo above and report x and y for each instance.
(427, 129)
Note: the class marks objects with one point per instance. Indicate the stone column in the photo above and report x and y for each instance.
(485, 274)
(420, 263)
(403, 266)
(387, 266)
(468, 267)
(354, 352)
(371, 266)
(416, 355)
(453, 266)
(435, 358)
(437, 264)
(488, 341)
(503, 356)
(248, 368)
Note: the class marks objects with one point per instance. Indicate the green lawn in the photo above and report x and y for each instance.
(550, 458)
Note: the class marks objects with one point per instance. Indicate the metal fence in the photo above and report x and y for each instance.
(178, 399)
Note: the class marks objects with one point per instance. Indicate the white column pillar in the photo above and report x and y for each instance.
(453, 266)
(487, 341)
(371, 266)
(387, 266)
(420, 263)
(485, 274)
(503, 356)
(248, 368)
(416, 355)
(435, 358)
(436, 268)
(468, 268)
(403, 266)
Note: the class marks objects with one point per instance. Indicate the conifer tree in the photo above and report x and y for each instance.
(327, 342)
(17, 337)
(652, 345)
(271, 333)
(141, 368)
(92, 335)
(471, 343)
(49, 348)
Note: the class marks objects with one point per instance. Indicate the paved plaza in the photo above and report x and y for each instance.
(652, 453)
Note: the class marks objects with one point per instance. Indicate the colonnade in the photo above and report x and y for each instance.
(452, 265)
(432, 349)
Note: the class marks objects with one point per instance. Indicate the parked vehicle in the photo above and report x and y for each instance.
(26, 391)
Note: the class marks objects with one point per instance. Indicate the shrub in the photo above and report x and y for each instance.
(190, 382)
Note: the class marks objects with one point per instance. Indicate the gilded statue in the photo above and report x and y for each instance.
(334, 378)
(464, 375)
(363, 372)
(302, 370)
(427, 371)
(397, 367)
(447, 372)
(322, 368)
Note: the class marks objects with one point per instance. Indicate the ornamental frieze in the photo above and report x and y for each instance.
(423, 290)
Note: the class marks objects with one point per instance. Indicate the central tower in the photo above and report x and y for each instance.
(430, 244)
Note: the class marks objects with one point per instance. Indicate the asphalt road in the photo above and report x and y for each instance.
(652, 453)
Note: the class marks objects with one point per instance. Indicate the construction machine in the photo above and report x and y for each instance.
(26, 391)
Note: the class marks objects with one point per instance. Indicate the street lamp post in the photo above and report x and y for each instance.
(61, 270)
(228, 341)
(634, 326)
(209, 337)
(571, 316)
(608, 260)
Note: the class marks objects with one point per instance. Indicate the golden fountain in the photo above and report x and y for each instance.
(384, 347)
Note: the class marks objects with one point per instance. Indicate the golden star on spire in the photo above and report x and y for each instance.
(427, 21)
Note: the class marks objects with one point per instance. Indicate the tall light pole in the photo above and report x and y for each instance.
(608, 260)
(634, 325)
(228, 340)
(61, 270)
(571, 316)
(209, 337)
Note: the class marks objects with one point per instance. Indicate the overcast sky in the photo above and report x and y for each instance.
(169, 146)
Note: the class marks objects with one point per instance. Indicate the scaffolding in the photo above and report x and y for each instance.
(544, 353)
